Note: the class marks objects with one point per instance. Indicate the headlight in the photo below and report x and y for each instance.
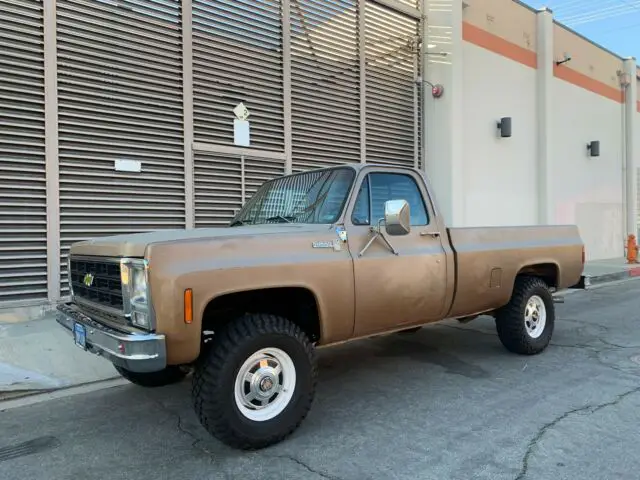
(69, 278)
(134, 281)
(139, 287)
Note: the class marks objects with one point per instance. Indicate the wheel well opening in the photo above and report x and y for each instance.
(546, 271)
(297, 304)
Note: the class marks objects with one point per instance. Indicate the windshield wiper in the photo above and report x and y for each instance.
(240, 223)
(287, 218)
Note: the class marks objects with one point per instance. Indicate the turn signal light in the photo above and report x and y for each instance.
(188, 306)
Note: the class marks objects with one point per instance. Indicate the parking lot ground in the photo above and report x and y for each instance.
(445, 403)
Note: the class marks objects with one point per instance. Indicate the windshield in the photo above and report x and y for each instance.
(311, 197)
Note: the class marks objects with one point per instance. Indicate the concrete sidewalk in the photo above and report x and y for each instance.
(611, 270)
(39, 355)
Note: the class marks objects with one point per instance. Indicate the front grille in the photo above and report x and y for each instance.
(105, 289)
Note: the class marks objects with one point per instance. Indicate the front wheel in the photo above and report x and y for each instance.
(525, 325)
(256, 383)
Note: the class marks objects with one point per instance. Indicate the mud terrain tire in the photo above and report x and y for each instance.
(256, 383)
(525, 325)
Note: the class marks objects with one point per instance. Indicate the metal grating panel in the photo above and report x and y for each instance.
(218, 185)
(325, 83)
(257, 171)
(120, 98)
(416, 3)
(237, 56)
(23, 218)
(392, 60)
(218, 189)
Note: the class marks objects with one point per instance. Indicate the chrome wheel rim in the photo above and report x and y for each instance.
(265, 384)
(535, 316)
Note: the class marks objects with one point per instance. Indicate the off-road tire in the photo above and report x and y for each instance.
(510, 319)
(215, 375)
(171, 374)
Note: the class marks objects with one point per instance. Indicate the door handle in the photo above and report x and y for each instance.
(430, 234)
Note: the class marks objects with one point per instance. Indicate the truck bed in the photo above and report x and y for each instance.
(487, 260)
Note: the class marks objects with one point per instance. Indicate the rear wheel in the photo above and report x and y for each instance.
(525, 325)
(171, 374)
(256, 383)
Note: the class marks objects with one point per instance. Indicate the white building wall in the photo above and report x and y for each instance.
(637, 153)
(500, 180)
(588, 191)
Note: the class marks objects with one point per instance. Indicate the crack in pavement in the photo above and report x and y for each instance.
(196, 441)
(582, 346)
(196, 444)
(307, 467)
(546, 427)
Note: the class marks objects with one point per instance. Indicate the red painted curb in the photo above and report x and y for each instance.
(634, 272)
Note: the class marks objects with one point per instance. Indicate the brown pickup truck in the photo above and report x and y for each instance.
(312, 259)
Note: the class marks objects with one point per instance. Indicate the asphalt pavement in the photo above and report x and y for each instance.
(445, 403)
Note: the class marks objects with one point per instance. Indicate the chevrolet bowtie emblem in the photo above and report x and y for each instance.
(88, 279)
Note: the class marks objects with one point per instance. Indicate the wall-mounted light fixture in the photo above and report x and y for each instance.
(594, 148)
(504, 125)
(437, 90)
(567, 58)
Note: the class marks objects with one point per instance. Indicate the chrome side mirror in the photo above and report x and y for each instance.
(397, 217)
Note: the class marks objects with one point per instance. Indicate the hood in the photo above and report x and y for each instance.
(134, 245)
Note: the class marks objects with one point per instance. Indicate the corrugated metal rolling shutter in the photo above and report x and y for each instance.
(325, 83)
(237, 56)
(391, 57)
(218, 189)
(416, 3)
(218, 185)
(259, 170)
(23, 219)
(120, 98)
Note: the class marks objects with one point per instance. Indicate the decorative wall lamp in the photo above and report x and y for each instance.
(594, 148)
(504, 125)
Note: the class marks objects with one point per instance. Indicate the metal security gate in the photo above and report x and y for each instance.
(237, 56)
(325, 79)
(120, 103)
(23, 218)
(224, 182)
(354, 94)
(144, 96)
(393, 95)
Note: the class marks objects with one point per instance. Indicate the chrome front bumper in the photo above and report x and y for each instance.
(135, 352)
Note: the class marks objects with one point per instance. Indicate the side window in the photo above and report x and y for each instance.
(362, 210)
(396, 186)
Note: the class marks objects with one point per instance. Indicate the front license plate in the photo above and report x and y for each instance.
(80, 335)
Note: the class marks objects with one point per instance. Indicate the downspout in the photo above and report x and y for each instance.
(631, 95)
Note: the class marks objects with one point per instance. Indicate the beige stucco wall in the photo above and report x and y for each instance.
(588, 191)
(586, 58)
(506, 19)
(501, 174)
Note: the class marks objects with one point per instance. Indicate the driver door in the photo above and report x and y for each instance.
(395, 290)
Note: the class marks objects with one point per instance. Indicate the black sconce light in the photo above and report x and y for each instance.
(594, 148)
(504, 125)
